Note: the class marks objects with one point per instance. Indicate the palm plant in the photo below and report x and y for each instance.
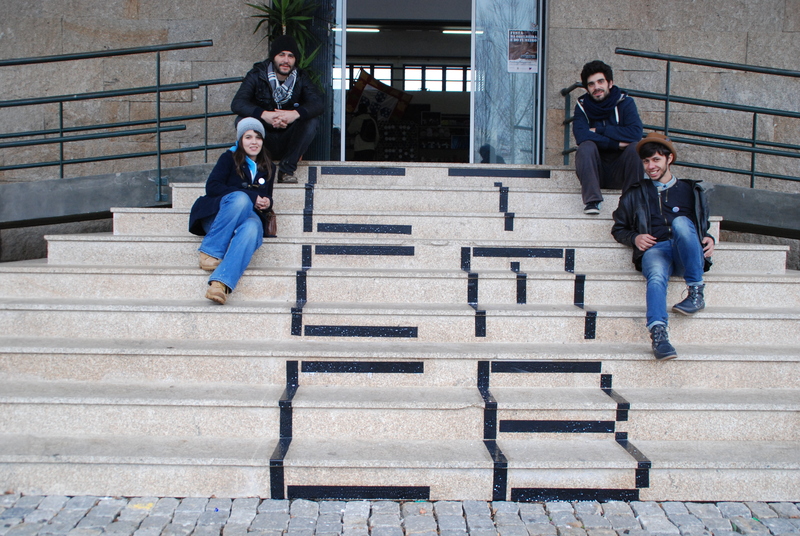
(289, 17)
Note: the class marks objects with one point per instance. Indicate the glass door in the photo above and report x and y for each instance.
(507, 81)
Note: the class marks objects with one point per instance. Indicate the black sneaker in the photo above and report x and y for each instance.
(692, 303)
(592, 208)
(286, 177)
(662, 349)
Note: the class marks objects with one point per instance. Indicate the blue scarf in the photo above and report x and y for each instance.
(600, 111)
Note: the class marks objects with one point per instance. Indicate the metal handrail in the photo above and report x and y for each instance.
(754, 145)
(60, 138)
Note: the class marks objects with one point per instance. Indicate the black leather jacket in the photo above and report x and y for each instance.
(255, 95)
(632, 217)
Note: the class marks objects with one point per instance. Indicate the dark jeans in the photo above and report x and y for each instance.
(290, 143)
(606, 169)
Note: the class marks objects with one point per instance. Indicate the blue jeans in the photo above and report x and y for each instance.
(680, 255)
(232, 235)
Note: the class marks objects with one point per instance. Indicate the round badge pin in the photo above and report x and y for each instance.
(261, 180)
(675, 209)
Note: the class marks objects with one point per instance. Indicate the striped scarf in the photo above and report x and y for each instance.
(281, 93)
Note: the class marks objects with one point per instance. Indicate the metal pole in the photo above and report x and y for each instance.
(666, 102)
(61, 135)
(205, 113)
(753, 154)
(159, 195)
(567, 106)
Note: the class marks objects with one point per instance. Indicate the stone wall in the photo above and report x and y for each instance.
(755, 32)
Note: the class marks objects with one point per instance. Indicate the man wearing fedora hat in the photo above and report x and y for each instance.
(665, 220)
(285, 100)
(606, 127)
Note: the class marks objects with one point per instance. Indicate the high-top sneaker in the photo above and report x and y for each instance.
(662, 349)
(692, 303)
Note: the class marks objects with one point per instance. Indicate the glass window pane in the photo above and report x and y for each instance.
(384, 74)
(454, 79)
(412, 78)
(433, 78)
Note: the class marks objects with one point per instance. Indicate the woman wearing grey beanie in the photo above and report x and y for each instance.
(232, 216)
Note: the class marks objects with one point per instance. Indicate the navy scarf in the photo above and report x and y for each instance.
(600, 111)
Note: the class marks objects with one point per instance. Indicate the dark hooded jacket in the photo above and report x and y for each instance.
(255, 95)
(614, 119)
(632, 217)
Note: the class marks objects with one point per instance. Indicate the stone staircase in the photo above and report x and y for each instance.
(415, 332)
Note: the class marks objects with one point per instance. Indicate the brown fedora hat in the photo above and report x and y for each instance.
(657, 137)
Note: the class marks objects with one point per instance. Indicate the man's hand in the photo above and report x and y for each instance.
(644, 241)
(623, 144)
(708, 246)
(280, 118)
(262, 203)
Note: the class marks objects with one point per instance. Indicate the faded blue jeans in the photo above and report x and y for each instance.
(233, 235)
(681, 255)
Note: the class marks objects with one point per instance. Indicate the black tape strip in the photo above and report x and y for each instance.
(586, 367)
(509, 221)
(466, 259)
(297, 321)
(394, 493)
(489, 402)
(530, 253)
(489, 172)
(308, 207)
(580, 290)
(276, 481)
(472, 289)
(312, 175)
(569, 260)
(643, 464)
(504, 199)
(408, 332)
(301, 292)
(522, 288)
(605, 381)
(573, 494)
(590, 325)
(365, 250)
(500, 471)
(550, 427)
(362, 170)
(480, 323)
(306, 257)
(363, 228)
(515, 266)
(363, 367)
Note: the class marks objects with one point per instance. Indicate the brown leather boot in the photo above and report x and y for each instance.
(208, 263)
(217, 292)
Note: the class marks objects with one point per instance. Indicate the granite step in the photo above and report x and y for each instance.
(105, 249)
(397, 363)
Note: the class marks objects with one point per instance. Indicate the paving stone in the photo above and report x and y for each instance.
(210, 518)
(512, 530)
(587, 508)
(777, 525)
(385, 520)
(25, 529)
(761, 510)
(558, 506)
(273, 506)
(317, 533)
(91, 521)
(177, 530)
(783, 509)
(275, 521)
(531, 509)
(7, 500)
(304, 508)
(385, 507)
(448, 508)
(264, 533)
(355, 531)
(419, 524)
(647, 508)
(387, 531)
(235, 530)
(727, 533)
(617, 508)
(108, 507)
(565, 519)
(479, 523)
(332, 507)
(570, 531)
(185, 518)
(146, 532)
(328, 528)
(703, 510)
(165, 507)
(623, 522)
(733, 509)
(208, 530)
(505, 507)
(241, 516)
(29, 501)
(717, 524)
(357, 508)
(529, 519)
(329, 519)
(508, 518)
(540, 529)
(122, 528)
(594, 521)
(476, 508)
(427, 533)
(57, 528)
(245, 504)
(85, 532)
(483, 532)
(299, 532)
(634, 532)
(695, 531)
(192, 504)
(674, 508)
(415, 508)
(451, 522)
(154, 522)
(452, 533)
(748, 525)
(16, 512)
(137, 509)
(686, 520)
(40, 516)
(600, 532)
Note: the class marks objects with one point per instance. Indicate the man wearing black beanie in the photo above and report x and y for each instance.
(285, 100)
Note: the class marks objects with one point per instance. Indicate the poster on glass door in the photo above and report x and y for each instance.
(523, 51)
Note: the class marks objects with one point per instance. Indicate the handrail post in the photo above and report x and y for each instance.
(159, 179)
(205, 114)
(666, 101)
(753, 154)
(61, 135)
(567, 103)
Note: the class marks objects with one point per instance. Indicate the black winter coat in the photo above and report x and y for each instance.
(255, 95)
(632, 218)
(223, 180)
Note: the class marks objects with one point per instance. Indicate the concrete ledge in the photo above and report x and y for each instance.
(756, 211)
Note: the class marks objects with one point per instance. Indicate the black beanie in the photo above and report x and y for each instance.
(284, 42)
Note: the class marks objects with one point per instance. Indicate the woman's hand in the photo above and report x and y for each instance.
(262, 203)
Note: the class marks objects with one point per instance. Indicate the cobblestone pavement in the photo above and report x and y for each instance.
(29, 515)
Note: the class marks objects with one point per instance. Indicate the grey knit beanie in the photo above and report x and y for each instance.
(249, 123)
